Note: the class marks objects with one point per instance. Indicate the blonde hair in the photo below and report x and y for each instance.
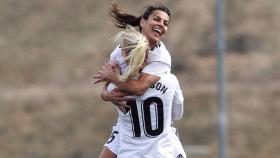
(133, 41)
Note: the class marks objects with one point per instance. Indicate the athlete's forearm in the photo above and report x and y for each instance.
(133, 87)
(137, 87)
(104, 92)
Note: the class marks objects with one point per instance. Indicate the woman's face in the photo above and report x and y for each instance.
(155, 27)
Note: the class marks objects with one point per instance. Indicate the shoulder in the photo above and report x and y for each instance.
(160, 47)
(173, 77)
(160, 54)
(116, 53)
(170, 78)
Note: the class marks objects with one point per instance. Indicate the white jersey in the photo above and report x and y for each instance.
(159, 63)
(145, 129)
(159, 60)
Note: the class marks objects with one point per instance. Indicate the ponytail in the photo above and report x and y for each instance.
(121, 19)
(133, 40)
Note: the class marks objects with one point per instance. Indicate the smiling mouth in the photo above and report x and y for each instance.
(158, 31)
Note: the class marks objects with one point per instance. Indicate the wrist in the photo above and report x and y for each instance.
(104, 95)
(115, 78)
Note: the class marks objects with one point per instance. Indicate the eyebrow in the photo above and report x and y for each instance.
(161, 18)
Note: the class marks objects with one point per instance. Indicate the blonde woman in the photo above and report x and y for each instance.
(135, 49)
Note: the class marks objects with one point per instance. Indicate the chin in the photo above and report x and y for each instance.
(156, 40)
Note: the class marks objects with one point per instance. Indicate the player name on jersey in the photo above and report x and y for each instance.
(160, 87)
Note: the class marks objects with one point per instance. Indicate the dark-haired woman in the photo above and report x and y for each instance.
(154, 25)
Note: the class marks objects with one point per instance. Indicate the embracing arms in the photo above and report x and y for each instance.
(135, 87)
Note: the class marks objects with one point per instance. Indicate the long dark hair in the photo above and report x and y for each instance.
(121, 19)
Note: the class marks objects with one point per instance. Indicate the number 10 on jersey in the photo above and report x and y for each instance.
(147, 117)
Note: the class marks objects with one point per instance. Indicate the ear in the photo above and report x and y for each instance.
(142, 22)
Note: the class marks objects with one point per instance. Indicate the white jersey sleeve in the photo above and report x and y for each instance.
(116, 56)
(178, 104)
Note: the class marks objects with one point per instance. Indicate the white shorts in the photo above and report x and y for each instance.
(176, 143)
(114, 142)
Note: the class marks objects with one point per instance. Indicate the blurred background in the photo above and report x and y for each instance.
(50, 49)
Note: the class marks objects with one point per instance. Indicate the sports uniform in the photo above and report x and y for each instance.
(145, 129)
(159, 63)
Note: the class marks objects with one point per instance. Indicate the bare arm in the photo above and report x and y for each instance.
(136, 87)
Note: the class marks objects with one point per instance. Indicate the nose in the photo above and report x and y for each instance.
(161, 24)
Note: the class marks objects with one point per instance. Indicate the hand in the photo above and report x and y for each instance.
(109, 72)
(120, 103)
(116, 97)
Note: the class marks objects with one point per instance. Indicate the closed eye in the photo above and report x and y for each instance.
(158, 19)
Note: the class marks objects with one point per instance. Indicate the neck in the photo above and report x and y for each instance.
(153, 44)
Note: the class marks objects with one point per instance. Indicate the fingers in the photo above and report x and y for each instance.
(98, 81)
(119, 99)
(109, 67)
(127, 106)
(101, 73)
(107, 70)
(118, 93)
(107, 73)
(121, 103)
(129, 97)
(114, 63)
(122, 106)
(116, 98)
(98, 78)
